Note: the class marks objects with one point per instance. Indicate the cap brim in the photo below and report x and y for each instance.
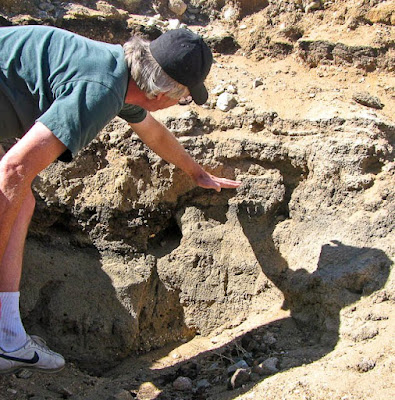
(199, 94)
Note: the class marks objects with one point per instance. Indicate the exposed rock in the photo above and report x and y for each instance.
(269, 339)
(177, 6)
(365, 365)
(382, 13)
(202, 384)
(46, 7)
(368, 100)
(364, 333)
(231, 12)
(182, 383)
(147, 390)
(131, 5)
(103, 10)
(257, 82)
(269, 366)
(226, 101)
(363, 57)
(174, 24)
(189, 123)
(20, 6)
(223, 43)
(310, 230)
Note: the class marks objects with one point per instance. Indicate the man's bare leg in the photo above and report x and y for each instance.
(11, 264)
(12, 332)
(17, 349)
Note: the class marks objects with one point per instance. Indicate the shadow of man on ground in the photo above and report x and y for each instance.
(343, 275)
(314, 299)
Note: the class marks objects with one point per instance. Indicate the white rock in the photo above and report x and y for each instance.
(218, 90)
(174, 23)
(152, 22)
(231, 89)
(226, 101)
(230, 13)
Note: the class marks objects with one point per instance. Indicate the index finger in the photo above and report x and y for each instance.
(228, 183)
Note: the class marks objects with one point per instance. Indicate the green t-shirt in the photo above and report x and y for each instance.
(73, 85)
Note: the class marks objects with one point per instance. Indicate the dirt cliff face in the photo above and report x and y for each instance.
(125, 255)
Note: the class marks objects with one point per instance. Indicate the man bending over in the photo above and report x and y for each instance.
(57, 91)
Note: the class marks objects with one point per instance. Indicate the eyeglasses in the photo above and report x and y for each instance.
(184, 101)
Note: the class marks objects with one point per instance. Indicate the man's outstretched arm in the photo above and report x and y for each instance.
(158, 138)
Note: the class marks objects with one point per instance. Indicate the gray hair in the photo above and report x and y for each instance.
(147, 73)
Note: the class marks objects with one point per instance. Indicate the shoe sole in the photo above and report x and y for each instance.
(33, 369)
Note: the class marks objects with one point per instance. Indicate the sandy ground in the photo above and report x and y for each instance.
(294, 92)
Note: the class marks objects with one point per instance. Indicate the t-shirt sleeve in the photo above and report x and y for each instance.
(133, 114)
(80, 111)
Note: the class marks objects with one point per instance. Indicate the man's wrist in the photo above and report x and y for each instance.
(197, 173)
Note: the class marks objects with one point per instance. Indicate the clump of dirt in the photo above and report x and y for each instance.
(281, 289)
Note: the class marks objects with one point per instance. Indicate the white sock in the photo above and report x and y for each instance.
(12, 332)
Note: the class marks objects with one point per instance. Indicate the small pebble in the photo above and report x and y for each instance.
(182, 383)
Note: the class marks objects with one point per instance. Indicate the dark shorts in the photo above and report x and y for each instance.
(10, 126)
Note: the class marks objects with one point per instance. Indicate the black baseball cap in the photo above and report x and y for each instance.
(186, 58)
